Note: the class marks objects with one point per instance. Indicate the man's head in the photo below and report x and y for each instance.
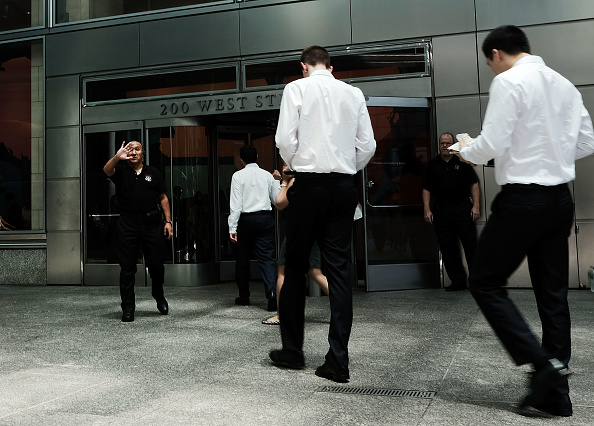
(445, 141)
(248, 154)
(135, 152)
(314, 58)
(504, 46)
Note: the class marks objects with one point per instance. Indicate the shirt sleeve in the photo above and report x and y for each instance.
(364, 141)
(585, 143)
(235, 203)
(498, 126)
(288, 123)
(273, 190)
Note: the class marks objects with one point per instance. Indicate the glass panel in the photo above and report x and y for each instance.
(17, 14)
(80, 10)
(174, 83)
(101, 206)
(182, 154)
(355, 65)
(21, 136)
(256, 129)
(396, 231)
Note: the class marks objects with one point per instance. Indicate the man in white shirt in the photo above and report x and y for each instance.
(251, 225)
(324, 134)
(535, 127)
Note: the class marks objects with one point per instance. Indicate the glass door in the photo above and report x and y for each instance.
(401, 250)
(181, 150)
(101, 142)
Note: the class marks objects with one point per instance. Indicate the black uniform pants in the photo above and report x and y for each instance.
(255, 231)
(533, 221)
(321, 207)
(135, 231)
(454, 225)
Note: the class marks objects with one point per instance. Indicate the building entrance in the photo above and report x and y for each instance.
(394, 248)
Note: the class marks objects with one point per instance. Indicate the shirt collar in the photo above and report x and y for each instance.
(252, 165)
(324, 73)
(530, 59)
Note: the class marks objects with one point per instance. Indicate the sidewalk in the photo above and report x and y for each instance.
(67, 359)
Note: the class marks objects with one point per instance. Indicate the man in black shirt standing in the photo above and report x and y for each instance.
(140, 193)
(451, 202)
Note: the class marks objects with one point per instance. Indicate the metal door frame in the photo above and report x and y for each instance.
(381, 277)
(109, 273)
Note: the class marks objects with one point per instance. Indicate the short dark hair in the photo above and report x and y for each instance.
(508, 38)
(449, 134)
(314, 55)
(248, 154)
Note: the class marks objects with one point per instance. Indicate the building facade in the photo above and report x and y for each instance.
(195, 80)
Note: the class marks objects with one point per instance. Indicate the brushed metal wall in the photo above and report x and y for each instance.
(491, 14)
(193, 38)
(63, 153)
(404, 19)
(293, 26)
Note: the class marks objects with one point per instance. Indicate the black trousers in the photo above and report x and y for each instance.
(454, 225)
(255, 231)
(533, 221)
(321, 207)
(133, 232)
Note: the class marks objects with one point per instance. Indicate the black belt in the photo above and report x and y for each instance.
(322, 176)
(532, 186)
(258, 213)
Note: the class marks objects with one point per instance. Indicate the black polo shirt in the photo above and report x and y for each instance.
(449, 181)
(137, 193)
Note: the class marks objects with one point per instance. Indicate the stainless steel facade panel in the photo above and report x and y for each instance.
(414, 87)
(63, 258)
(490, 189)
(583, 191)
(458, 115)
(404, 19)
(62, 101)
(294, 26)
(63, 207)
(97, 49)
(585, 244)
(455, 65)
(191, 38)
(491, 14)
(62, 147)
(567, 48)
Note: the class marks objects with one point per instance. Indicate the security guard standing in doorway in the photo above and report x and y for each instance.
(140, 193)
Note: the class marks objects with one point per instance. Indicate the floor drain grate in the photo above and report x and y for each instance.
(377, 392)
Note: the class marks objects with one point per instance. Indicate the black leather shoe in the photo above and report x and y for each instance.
(543, 381)
(556, 405)
(455, 287)
(271, 305)
(286, 359)
(333, 372)
(127, 316)
(163, 306)
(242, 301)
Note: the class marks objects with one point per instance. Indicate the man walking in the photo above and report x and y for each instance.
(140, 193)
(324, 134)
(535, 127)
(451, 203)
(251, 225)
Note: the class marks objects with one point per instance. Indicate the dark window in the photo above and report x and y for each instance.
(403, 61)
(175, 83)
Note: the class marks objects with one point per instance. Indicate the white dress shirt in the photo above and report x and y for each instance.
(535, 126)
(252, 190)
(324, 126)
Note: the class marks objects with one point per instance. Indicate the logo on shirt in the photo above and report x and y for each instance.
(456, 167)
(148, 178)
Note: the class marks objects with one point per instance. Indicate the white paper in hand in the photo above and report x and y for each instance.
(461, 137)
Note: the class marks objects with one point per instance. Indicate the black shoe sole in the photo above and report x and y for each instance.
(329, 375)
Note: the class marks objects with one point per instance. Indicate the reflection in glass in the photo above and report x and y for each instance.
(396, 231)
(182, 156)
(101, 207)
(21, 136)
(17, 14)
(71, 11)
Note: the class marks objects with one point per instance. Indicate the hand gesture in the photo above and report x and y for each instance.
(124, 152)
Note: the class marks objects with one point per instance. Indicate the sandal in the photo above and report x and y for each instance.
(270, 321)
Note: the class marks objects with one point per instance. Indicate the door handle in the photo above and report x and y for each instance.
(370, 183)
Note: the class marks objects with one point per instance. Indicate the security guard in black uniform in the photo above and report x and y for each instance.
(140, 193)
